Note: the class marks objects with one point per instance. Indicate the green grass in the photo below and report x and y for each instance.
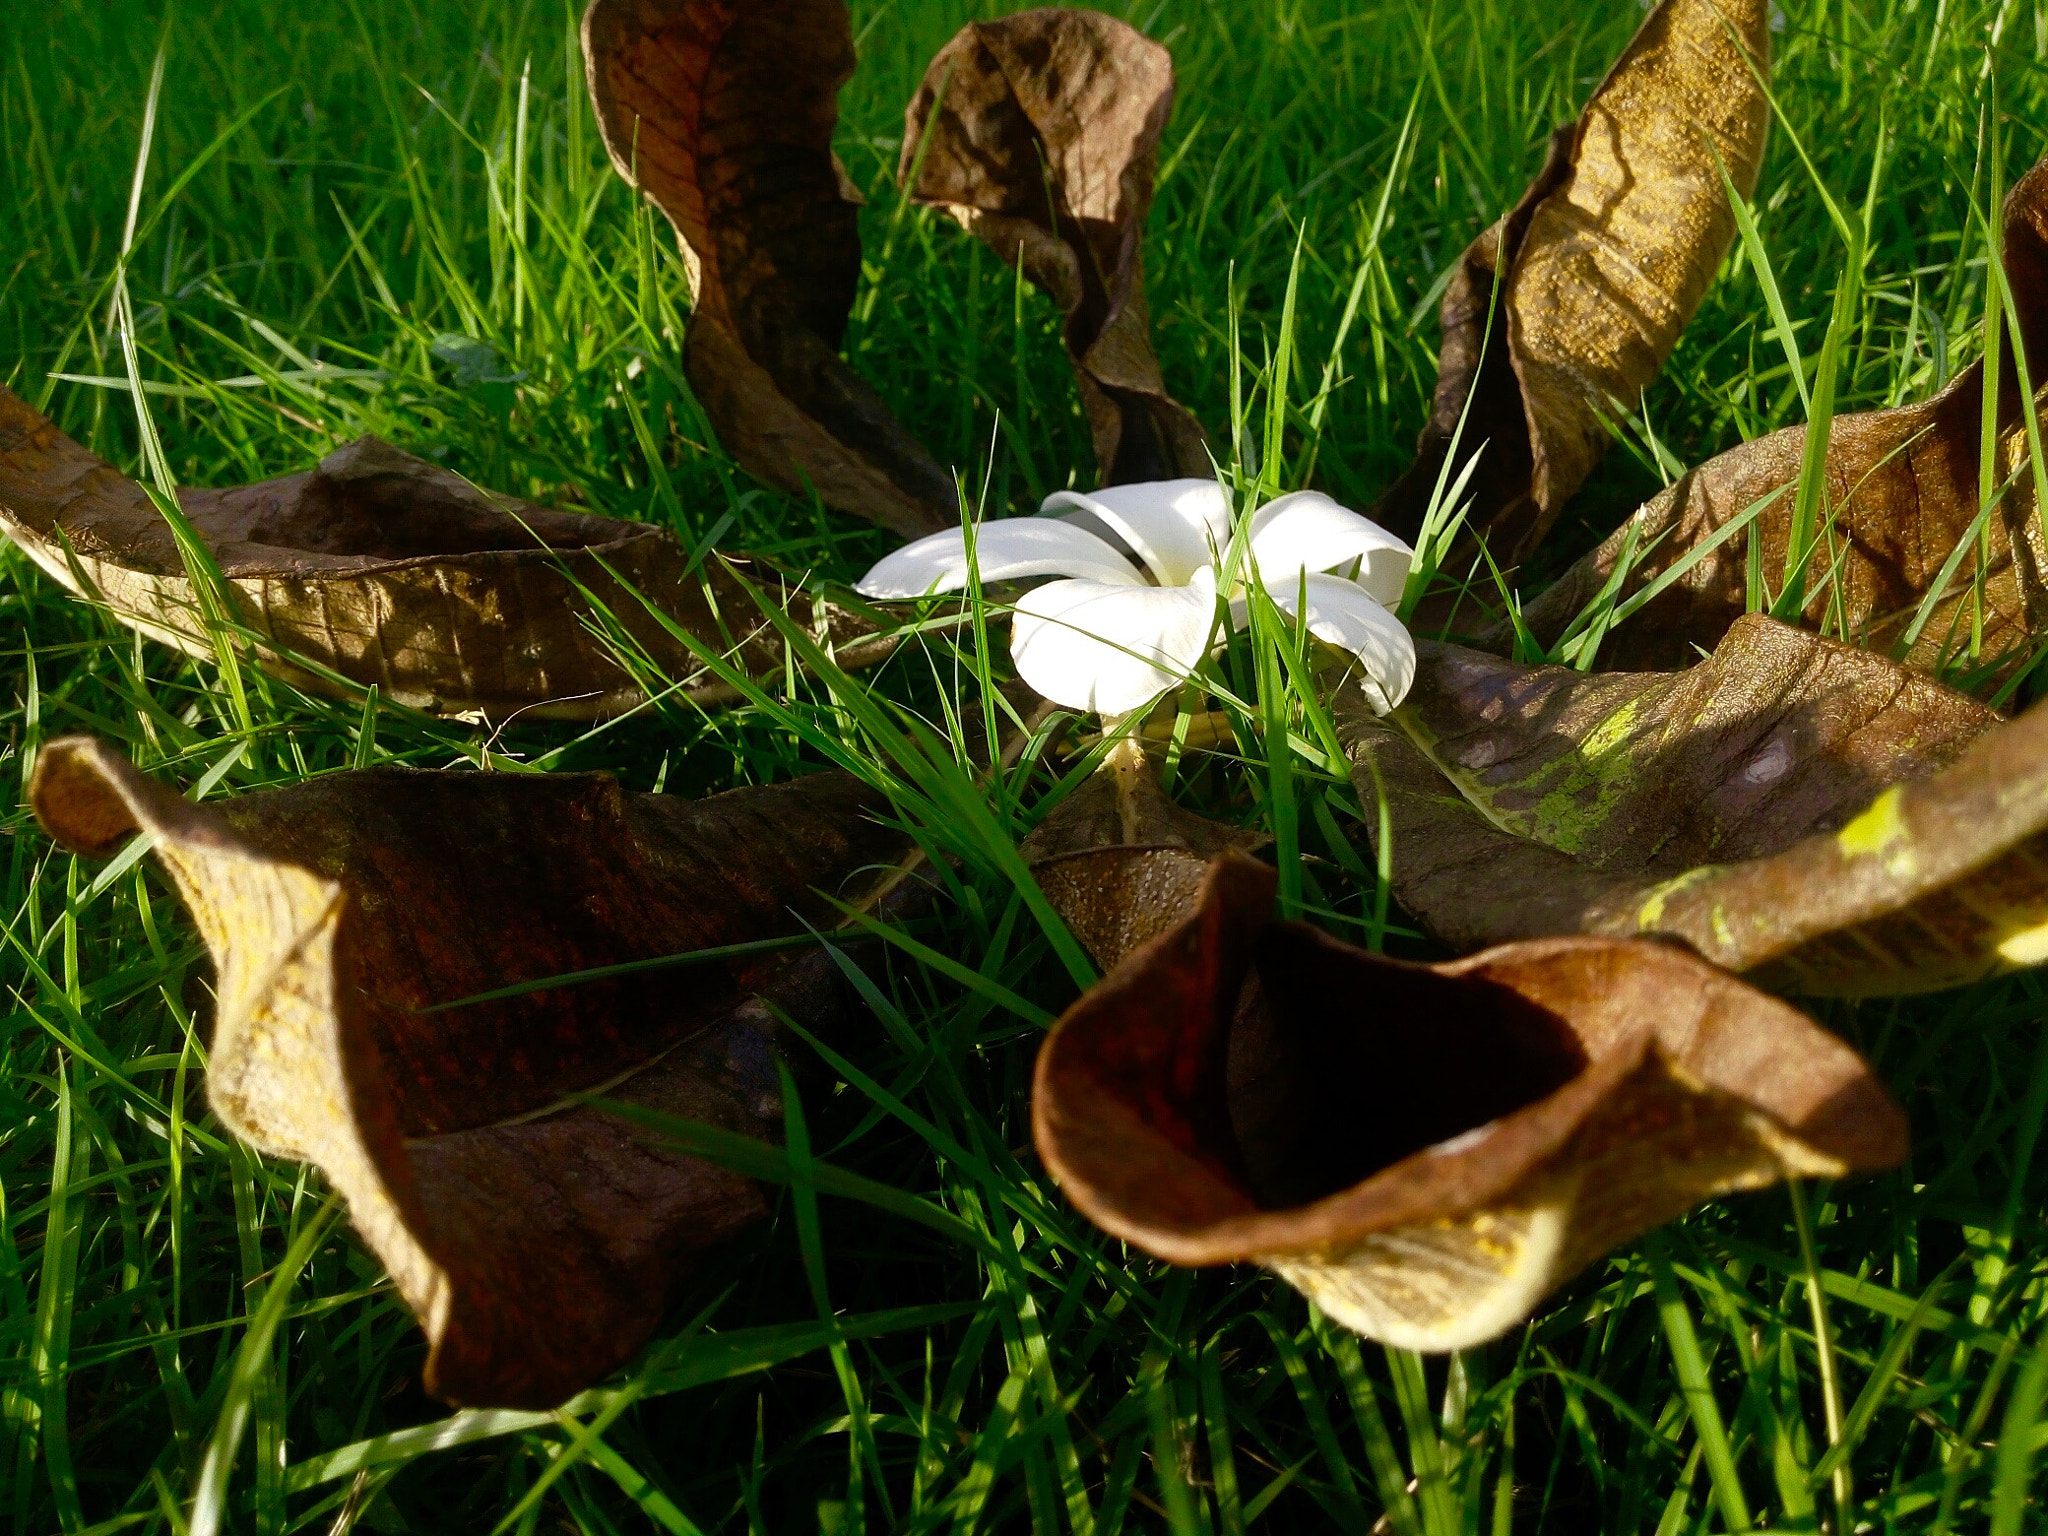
(361, 185)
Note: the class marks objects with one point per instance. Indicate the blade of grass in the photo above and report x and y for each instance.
(1690, 1366)
(252, 1362)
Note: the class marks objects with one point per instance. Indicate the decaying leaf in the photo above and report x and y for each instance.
(1600, 266)
(721, 112)
(1814, 815)
(1039, 132)
(1119, 861)
(1902, 492)
(380, 568)
(1122, 864)
(1438, 1146)
(535, 1239)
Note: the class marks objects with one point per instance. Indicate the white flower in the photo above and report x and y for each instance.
(1136, 611)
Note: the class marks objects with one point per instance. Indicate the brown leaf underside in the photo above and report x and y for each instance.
(1902, 487)
(380, 568)
(1120, 862)
(722, 113)
(1606, 257)
(1424, 1185)
(535, 1242)
(1795, 808)
(1045, 147)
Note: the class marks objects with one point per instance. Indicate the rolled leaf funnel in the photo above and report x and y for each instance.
(1427, 1151)
(534, 1235)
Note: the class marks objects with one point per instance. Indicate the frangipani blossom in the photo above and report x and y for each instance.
(1135, 610)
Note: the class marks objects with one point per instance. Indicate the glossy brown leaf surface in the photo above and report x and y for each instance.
(1039, 132)
(535, 1239)
(1435, 1147)
(1600, 266)
(1902, 491)
(381, 568)
(1822, 818)
(721, 112)
(1119, 861)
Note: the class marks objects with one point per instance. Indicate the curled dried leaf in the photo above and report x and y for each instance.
(1901, 498)
(1429, 1150)
(1600, 266)
(380, 568)
(722, 113)
(1818, 817)
(1039, 132)
(1122, 864)
(534, 1236)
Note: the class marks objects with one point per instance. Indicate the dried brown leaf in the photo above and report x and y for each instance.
(1119, 861)
(1902, 491)
(1039, 132)
(1604, 261)
(380, 568)
(1814, 815)
(535, 1238)
(722, 113)
(1433, 1148)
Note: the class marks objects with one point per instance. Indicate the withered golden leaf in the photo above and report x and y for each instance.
(1813, 815)
(1600, 266)
(534, 1238)
(1433, 1148)
(1901, 490)
(722, 112)
(380, 568)
(1039, 132)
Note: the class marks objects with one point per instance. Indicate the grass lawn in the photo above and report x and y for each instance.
(341, 185)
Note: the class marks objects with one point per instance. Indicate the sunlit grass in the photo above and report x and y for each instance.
(328, 199)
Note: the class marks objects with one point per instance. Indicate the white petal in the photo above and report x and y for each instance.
(1306, 531)
(1176, 526)
(1344, 614)
(1111, 649)
(1006, 548)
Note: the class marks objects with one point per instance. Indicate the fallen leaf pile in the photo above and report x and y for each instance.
(1431, 1155)
(425, 978)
